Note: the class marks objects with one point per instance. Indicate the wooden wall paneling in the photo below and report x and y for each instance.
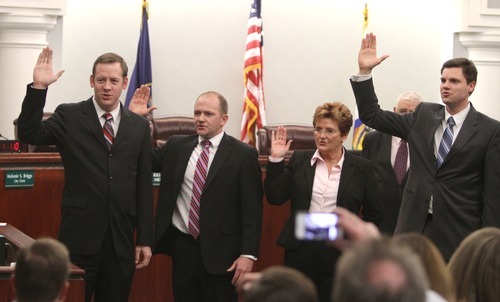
(37, 212)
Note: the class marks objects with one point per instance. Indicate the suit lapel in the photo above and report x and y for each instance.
(309, 172)
(469, 128)
(224, 149)
(124, 126)
(438, 117)
(348, 169)
(385, 151)
(386, 147)
(185, 151)
(92, 121)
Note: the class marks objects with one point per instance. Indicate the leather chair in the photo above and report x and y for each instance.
(302, 136)
(166, 126)
(161, 129)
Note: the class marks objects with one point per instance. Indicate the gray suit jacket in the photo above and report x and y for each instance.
(465, 189)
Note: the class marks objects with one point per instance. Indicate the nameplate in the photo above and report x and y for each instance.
(19, 178)
(156, 179)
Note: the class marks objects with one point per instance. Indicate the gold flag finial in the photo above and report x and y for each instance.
(365, 19)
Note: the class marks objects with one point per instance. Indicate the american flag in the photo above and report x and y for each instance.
(254, 114)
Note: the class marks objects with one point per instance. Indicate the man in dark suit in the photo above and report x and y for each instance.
(108, 188)
(447, 195)
(213, 253)
(386, 152)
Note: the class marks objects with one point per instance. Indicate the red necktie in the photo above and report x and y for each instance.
(200, 175)
(401, 161)
(107, 129)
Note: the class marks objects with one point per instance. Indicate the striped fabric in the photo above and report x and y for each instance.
(200, 175)
(107, 129)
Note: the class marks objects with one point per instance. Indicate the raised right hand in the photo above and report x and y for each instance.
(43, 75)
(279, 145)
(139, 102)
(367, 57)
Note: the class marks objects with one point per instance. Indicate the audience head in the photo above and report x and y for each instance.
(407, 102)
(440, 279)
(379, 271)
(281, 284)
(42, 271)
(475, 266)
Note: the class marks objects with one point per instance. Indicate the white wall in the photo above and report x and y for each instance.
(310, 50)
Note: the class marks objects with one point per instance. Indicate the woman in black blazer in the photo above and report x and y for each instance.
(319, 181)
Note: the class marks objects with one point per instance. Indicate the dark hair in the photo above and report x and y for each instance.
(41, 270)
(109, 58)
(279, 283)
(468, 68)
(222, 100)
(336, 111)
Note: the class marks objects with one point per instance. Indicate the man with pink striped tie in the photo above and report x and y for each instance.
(209, 211)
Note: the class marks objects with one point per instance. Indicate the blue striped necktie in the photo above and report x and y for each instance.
(446, 142)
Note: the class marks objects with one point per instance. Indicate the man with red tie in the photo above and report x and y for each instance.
(391, 161)
(105, 150)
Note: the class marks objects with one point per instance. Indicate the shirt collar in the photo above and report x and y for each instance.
(396, 140)
(214, 140)
(459, 117)
(317, 156)
(115, 113)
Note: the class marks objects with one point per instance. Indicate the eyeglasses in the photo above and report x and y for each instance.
(327, 131)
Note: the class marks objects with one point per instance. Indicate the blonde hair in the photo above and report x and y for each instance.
(337, 112)
(475, 266)
(440, 278)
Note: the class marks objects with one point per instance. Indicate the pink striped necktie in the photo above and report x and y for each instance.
(200, 175)
(107, 130)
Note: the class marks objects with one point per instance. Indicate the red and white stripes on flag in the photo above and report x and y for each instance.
(254, 114)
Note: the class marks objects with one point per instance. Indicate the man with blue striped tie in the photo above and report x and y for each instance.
(453, 187)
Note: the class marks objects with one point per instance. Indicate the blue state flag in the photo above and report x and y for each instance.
(142, 74)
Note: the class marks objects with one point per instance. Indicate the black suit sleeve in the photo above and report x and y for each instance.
(491, 193)
(277, 185)
(372, 204)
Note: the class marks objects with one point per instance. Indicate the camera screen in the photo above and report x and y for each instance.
(317, 226)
